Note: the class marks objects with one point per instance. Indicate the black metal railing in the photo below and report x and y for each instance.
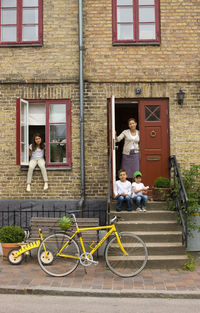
(22, 217)
(179, 195)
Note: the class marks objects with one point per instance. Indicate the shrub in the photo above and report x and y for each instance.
(12, 233)
(162, 182)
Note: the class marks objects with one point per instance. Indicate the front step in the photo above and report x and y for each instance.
(169, 261)
(159, 236)
(147, 225)
(159, 229)
(148, 215)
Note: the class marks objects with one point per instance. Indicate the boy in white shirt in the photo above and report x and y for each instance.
(139, 192)
(122, 191)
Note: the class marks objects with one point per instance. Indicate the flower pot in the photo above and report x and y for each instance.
(6, 247)
(160, 194)
(193, 240)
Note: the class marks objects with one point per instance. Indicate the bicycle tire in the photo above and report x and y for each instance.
(59, 266)
(126, 265)
(15, 260)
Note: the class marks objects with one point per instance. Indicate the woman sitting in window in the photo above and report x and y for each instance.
(36, 153)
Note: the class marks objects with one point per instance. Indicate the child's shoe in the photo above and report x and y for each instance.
(28, 188)
(45, 186)
(143, 209)
(139, 210)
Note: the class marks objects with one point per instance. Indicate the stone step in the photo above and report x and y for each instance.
(165, 248)
(148, 225)
(148, 215)
(168, 261)
(159, 236)
(151, 205)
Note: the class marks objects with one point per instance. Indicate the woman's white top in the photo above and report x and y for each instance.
(122, 187)
(130, 142)
(37, 154)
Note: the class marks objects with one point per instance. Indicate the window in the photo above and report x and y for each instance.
(136, 21)
(20, 22)
(50, 118)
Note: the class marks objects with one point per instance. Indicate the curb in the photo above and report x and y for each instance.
(102, 293)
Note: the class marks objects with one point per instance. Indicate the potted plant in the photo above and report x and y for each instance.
(161, 189)
(10, 237)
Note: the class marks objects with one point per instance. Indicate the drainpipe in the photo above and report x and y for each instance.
(81, 91)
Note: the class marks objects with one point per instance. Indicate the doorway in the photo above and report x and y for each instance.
(123, 111)
(152, 116)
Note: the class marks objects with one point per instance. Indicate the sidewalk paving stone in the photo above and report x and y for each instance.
(28, 277)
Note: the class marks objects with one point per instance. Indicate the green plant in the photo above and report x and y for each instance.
(190, 266)
(11, 234)
(162, 182)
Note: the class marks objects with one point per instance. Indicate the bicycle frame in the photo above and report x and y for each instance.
(111, 228)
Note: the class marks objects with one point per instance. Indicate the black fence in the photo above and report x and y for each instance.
(22, 217)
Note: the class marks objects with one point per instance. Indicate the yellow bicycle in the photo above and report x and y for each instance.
(125, 254)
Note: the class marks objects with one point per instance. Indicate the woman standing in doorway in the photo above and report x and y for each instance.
(130, 153)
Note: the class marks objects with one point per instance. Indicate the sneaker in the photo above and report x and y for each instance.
(45, 186)
(28, 188)
(143, 209)
(139, 210)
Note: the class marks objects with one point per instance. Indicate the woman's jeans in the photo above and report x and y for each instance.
(32, 165)
(140, 200)
(121, 199)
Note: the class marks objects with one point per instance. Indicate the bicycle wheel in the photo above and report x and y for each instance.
(58, 265)
(126, 265)
(15, 260)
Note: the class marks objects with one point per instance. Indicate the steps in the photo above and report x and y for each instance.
(160, 231)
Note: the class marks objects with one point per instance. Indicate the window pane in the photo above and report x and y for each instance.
(147, 14)
(30, 33)
(125, 32)
(30, 3)
(147, 31)
(146, 2)
(57, 113)
(8, 33)
(10, 3)
(124, 14)
(30, 16)
(57, 133)
(124, 2)
(8, 16)
(58, 153)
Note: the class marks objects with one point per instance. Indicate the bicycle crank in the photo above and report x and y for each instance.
(86, 259)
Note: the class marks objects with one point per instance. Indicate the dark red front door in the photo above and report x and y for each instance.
(154, 139)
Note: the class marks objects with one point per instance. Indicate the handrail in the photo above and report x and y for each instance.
(181, 201)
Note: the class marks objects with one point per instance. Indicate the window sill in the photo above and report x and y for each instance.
(61, 168)
(136, 44)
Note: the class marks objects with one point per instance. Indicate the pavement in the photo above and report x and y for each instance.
(28, 278)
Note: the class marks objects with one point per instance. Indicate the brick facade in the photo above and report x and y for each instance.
(52, 72)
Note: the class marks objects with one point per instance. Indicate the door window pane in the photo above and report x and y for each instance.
(146, 14)
(30, 16)
(8, 33)
(30, 33)
(10, 3)
(30, 3)
(9, 16)
(125, 32)
(124, 14)
(147, 31)
(152, 113)
(57, 113)
(57, 133)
